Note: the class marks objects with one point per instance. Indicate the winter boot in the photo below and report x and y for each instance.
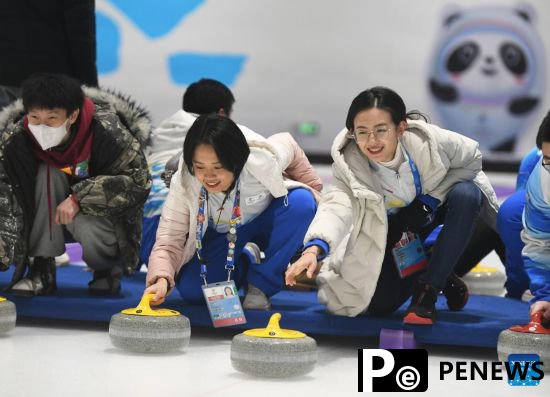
(456, 292)
(422, 308)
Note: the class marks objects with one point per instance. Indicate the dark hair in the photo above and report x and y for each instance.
(544, 131)
(49, 91)
(208, 96)
(381, 98)
(223, 135)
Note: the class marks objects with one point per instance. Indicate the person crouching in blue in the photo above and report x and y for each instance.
(536, 226)
(230, 190)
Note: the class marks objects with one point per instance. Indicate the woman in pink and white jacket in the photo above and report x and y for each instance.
(232, 187)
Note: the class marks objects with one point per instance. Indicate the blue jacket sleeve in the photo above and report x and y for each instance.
(526, 167)
(320, 243)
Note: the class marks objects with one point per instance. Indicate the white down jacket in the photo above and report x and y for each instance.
(350, 273)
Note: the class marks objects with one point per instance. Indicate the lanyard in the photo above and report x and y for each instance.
(415, 173)
(231, 235)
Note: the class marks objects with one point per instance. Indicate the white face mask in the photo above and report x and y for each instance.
(48, 137)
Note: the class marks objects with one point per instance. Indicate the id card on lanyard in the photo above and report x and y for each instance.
(409, 255)
(223, 303)
(221, 298)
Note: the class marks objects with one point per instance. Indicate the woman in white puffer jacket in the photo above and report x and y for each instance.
(393, 174)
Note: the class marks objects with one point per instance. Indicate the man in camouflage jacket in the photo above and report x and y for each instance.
(93, 182)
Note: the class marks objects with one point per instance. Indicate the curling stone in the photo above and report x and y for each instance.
(485, 280)
(273, 352)
(7, 315)
(145, 330)
(532, 338)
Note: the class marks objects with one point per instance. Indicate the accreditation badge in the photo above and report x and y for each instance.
(409, 255)
(224, 304)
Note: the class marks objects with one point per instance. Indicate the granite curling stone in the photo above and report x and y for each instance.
(532, 338)
(145, 330)
(273, 352)
(8, 315)
(484, 280)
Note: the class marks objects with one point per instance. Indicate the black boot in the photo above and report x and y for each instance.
(456, 292)
(105, 282)
(40, 279)
(422, 308)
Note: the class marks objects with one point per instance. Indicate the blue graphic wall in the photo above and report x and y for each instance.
(296, 65)
(155, 20)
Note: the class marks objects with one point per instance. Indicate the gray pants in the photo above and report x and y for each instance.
(96, 234)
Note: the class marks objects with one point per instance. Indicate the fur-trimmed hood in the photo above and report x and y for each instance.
(134, 117)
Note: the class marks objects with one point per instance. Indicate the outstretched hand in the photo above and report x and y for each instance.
(308, 261)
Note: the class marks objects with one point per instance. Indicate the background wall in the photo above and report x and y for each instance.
(293, 65)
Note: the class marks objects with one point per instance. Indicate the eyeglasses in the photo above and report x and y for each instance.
(378, 133)
(546, 163)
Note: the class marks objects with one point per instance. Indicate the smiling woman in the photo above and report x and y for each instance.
(215, 151)
(396, 178)
(231, 192)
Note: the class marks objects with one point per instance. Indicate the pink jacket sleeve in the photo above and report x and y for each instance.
(295, 162)
(168, 252)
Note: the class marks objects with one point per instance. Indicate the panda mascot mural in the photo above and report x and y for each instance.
(487, 73)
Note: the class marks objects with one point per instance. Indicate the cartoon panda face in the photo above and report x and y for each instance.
(487, 65)
(487, 73)
(511, 55)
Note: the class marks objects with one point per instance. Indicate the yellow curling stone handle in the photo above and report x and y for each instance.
(2, 299)
(144, 309)
(479, 268)
(274, 331)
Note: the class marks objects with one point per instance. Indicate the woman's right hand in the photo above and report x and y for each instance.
(308, 261)
(541, 306)
(160, 289)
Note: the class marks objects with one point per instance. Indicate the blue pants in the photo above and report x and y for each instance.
(509, 227)
(459, 215)
(279, 232)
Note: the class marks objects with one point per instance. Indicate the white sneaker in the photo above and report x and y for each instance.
(256, 299)
(62, 260)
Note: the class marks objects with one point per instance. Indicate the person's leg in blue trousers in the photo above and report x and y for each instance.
(189, 282)
(510, 225)
(279, 232)
(461, 213)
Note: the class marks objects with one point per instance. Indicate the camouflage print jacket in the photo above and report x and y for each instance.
(119, 179)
